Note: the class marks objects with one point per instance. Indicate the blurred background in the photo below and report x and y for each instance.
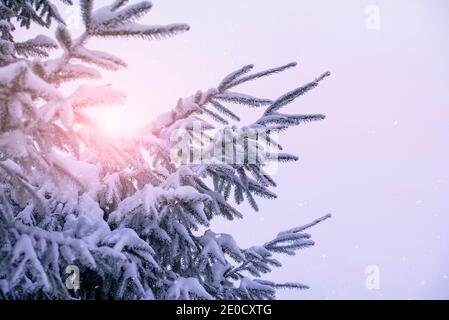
(379, 162)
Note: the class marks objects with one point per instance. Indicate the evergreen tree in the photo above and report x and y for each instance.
(132, 214)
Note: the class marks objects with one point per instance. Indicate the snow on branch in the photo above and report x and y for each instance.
(38, 46)
(135, 222)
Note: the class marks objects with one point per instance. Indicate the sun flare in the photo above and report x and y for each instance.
(115, 122)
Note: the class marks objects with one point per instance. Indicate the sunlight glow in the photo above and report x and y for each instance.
(115, 122)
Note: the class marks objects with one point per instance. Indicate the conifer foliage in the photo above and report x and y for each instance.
(133, 221)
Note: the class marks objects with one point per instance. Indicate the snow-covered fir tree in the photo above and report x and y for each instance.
(134, 222)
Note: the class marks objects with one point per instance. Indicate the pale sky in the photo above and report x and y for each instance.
(379, 162)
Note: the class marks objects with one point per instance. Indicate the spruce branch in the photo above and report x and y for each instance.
(121, 209)
(292, 95)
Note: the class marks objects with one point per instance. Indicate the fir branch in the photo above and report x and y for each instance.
(142, 31)
(224, 85)
(224, 110)
(125, 16)
(243, 99)
(258, 75)
(292, 95)
(86, 13)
